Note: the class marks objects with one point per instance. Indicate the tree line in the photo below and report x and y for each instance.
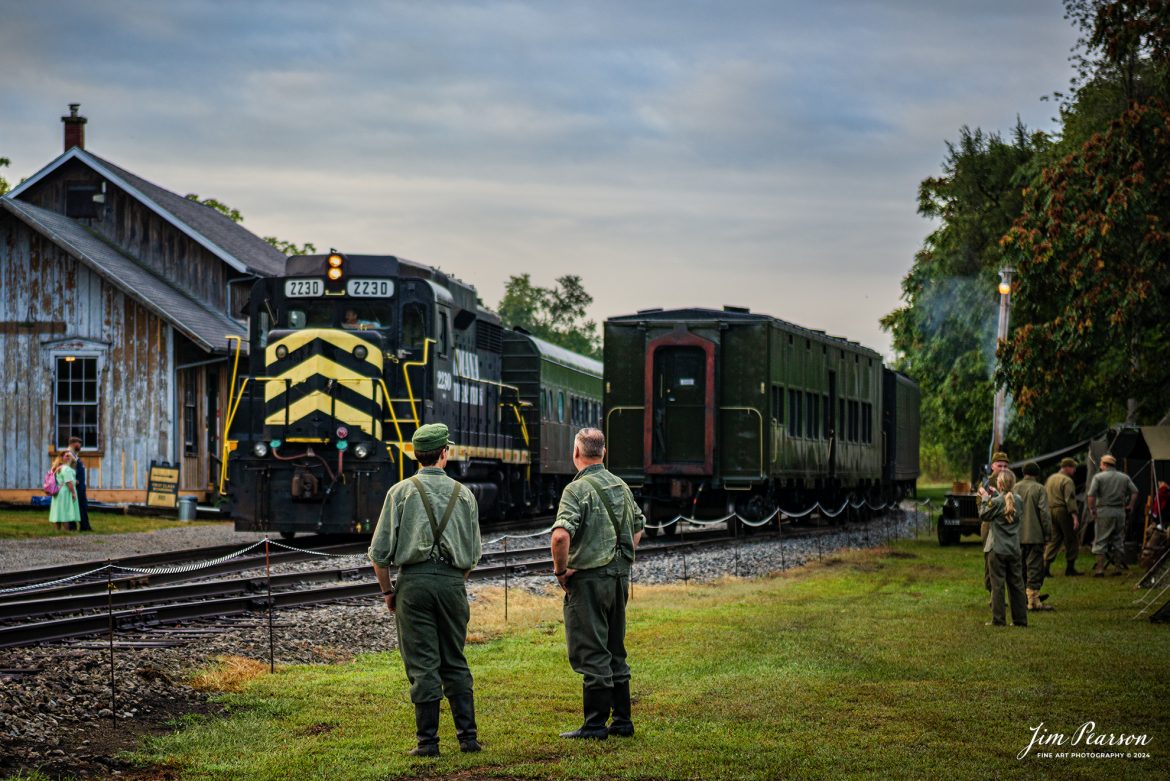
(1082, 216)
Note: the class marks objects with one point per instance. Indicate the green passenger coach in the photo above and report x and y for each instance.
(730, 411)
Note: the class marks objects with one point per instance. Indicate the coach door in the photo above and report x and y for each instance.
(681, 405)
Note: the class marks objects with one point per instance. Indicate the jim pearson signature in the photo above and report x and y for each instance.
(1086, 735)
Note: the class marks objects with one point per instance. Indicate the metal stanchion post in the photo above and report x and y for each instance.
(505, 580)
(736, 543)
(685, 580)
(110, 615)
(271, 636)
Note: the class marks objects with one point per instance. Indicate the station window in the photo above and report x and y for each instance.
(190, 427)
(76, 400)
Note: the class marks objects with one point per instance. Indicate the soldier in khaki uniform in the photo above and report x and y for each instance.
(429, 528)
(999, 462)
(598, 527)
(1035, 531)
(1111, 498)
(1062, 504)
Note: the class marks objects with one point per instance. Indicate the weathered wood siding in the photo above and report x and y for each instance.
(50, 300)
(141, 234)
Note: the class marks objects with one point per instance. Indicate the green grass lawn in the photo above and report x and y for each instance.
(35, 523)
(869, 665)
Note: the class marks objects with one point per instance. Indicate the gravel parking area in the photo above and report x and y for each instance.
(69, 548)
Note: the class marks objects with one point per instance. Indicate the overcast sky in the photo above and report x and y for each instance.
(762, 154)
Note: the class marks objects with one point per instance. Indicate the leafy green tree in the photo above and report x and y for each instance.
(1093, 242)
(4, 186)
(944, 334)
(285, 247)
(555, 314)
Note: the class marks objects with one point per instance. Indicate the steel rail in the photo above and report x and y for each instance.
(145, 618)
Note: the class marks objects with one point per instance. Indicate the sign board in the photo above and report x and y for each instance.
(162, 485)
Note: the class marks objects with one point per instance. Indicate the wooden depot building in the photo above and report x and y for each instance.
(117, 301)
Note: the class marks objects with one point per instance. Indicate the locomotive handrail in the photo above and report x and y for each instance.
(761, 417)
(406, 375)
(227, 424)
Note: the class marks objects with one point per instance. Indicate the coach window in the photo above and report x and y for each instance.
(828, 410)
(76, 400)
(560, 406)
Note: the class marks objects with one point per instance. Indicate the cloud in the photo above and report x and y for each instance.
(673, 153)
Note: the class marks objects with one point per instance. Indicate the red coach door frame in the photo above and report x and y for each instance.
(679, 338)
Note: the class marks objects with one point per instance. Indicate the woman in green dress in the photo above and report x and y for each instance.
(65, 508)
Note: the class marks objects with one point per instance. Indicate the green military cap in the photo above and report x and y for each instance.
(431, 437)
(1031, 468)
(999, 455)
(1068, 462)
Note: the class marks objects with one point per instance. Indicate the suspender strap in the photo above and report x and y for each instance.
(597, 489)
(437, 527)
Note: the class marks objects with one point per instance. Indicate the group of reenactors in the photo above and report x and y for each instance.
(1026, 524)
(429, 530)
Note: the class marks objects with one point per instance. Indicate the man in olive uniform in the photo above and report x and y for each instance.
(999, 462)
(1111, 498)
(1035, 531)
(598, 527)
(1062, 504)
(429, 529)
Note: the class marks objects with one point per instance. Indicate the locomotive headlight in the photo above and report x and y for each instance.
(360, 352)
(335, 260)
(260, 449)
(281, 352)
(334, 273)
(361, 450)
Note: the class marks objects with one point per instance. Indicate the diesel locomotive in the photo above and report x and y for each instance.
(712, 412)
(349, 354)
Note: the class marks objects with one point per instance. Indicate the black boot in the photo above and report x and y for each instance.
(1071, 571)
(463, 713)
(621, 725)
(1047, 569)
(426, 722)
(597, 706)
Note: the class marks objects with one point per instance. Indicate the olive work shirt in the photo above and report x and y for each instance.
(1003, 539)
(1112, 489)
(403, 534)
(592, 540)
(1062, 493)
(1035, 520)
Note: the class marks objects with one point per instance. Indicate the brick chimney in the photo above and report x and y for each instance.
(74, 128)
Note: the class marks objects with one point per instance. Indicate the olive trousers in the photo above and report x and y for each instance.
(431, 613)
(1063, 535)
(1033, 556)
(1007, 571)
(595, 623)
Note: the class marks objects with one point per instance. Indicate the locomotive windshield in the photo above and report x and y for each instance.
(351, 315)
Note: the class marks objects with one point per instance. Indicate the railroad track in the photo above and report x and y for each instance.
(156, 607)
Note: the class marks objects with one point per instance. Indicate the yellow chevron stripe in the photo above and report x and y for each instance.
(343, 340)
(320, 402)
(320, 365)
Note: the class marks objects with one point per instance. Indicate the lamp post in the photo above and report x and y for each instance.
(999, 414)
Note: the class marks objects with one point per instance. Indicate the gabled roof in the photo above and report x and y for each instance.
(232, 243)
(203, 325)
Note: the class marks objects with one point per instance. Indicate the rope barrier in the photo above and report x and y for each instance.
(51, 583)
(184, 568)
